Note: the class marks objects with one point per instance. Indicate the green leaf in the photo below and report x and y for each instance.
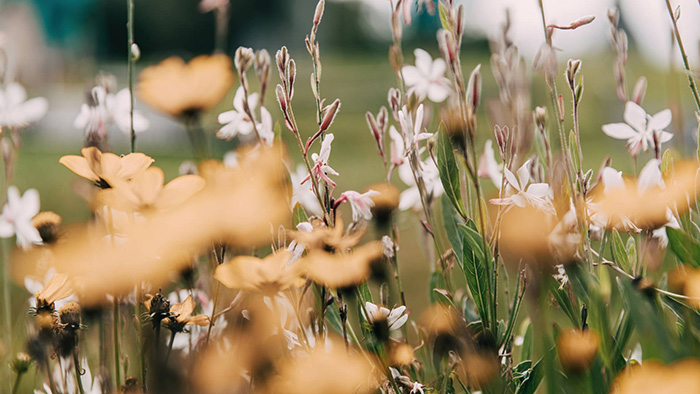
(449, 172)
(436, 282)
(526, 351)
(562, 298)
(529, 385)
(444, 17)
(475, 271)
(299, 215)
(619, 252)
(451, 221)
(685, 247)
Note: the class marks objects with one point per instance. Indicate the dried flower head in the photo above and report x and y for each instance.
(49, 226)
(179, 88)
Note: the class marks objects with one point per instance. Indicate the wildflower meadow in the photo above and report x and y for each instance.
(437, 219)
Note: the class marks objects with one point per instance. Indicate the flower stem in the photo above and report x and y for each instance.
(130, 69)
(117, 368)
(170, 345)
(76, 367)
(15, 386)
(7, 319)
(686, 63)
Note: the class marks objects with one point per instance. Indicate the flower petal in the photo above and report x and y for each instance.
(620, 131)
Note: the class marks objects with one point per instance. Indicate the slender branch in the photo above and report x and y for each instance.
(686, 63)
(130, 69)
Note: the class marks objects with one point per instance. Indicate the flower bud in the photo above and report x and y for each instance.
(329, 115)
(614, 16)
(577, 349)
(447, 45)
(474, 88)
(540, 117)
(243, 59)
(21, 363)
(282, 59)
(572, 67)
(135, 52)
(640, 89)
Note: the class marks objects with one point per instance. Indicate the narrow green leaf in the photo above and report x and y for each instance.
(451, 221)
(475, 271)
(449, 172)
(562, 298)
(686, 248)
(526, 351)
(619, 252)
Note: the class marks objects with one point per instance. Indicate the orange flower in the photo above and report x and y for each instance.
(179, 88)
(146, 191)
(342, 270)
(106, 168)
(268, 276)
(182, 315)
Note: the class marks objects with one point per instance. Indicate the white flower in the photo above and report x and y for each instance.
(410, 198)
(237, 121)
(521, 194)
(302, 192)
(107, 108)
(489, 167)
(16, 111)
(361, 203)
(417, 388)
(411, 128)
(395, 318)
(321, 169)
(427, 77)
(297, 249)
(17, 217)
(119, 109)
(640, 128)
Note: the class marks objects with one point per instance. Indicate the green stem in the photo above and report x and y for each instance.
(7, 307)
(686, 63)
(130, 69)
(15, 387)
(117, 368)
(76, 367)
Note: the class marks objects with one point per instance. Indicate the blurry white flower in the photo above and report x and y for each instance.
(321, 169)
(427, 77)
(410, 198)
(211, 5)
(639, 128)
(520, 193)
(16, 111)
(411, 128)
(361, 203)
(302, 192)
(236, 121)
(395, 317)
(104, 108)
(417, 388)
(17, 217)
(388, 247)
(119, 109)
(489, 167)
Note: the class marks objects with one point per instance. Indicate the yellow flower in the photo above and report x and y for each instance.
(55, 289)
(327, 238)
(267, 276)
(181, 315)
(341, 270)
(106, 168)
(146, 191)
(334, 370)
(179, 88)
(577, 349)
(652, 377)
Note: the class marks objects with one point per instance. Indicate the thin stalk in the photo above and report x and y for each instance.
(7, 319)
(15, 386)
(170, 345)
(213, 310)
(76, 367)
(117, 367)
(222, 16)
(686, 63)
(130, 69)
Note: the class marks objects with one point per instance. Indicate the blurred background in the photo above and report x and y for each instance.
(56, 48)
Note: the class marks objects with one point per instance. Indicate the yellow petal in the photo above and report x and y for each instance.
(178, 190)
(147, 185)
(79, 165)
(134, 163)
